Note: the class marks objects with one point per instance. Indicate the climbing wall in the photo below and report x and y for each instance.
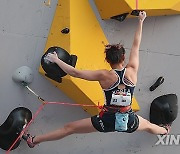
(24, 30)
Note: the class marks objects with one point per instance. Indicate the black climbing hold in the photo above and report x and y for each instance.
(65, 30)
(120, 17)
(158, 82)
(52, 70)
(164, 109)
(135, 12)
(12, 127)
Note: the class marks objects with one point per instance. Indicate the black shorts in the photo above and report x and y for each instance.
(106, 122)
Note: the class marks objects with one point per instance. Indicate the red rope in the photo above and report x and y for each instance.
(137, 4)
(38, 111)
(82, 105)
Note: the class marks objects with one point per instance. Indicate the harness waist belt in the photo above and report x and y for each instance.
(121, 109)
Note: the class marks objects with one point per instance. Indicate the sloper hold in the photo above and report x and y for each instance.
(164, 109)
(12, 127)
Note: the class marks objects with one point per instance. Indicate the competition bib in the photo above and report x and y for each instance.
(121, 97)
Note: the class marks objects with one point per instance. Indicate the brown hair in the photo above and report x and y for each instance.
(114, 53)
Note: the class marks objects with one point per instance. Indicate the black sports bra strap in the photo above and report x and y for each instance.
(121, 74)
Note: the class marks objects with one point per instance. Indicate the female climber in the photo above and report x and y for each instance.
(118, 86)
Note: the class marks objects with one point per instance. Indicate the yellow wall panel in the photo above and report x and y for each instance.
(110, 8)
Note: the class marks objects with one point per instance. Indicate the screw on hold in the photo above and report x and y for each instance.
(65, 30)
(158, 82)
(135, 12)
